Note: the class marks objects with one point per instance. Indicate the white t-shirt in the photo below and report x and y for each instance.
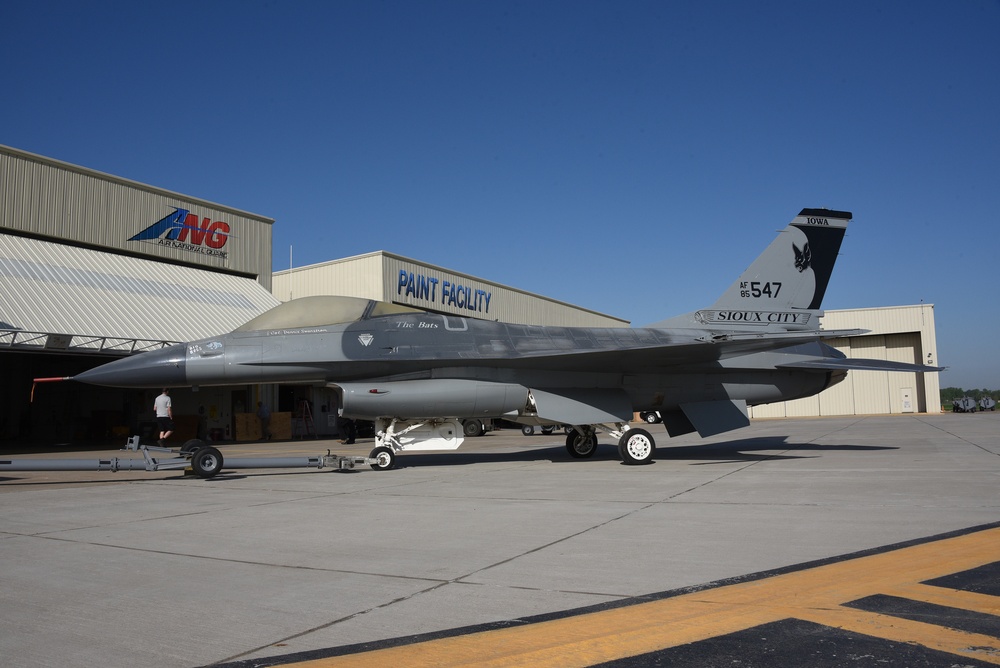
(162, 405)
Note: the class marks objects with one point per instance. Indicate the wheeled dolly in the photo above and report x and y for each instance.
(204, 460)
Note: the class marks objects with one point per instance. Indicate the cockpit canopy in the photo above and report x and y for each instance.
(319, 311)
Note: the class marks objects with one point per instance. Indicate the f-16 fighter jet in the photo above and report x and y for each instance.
(416, 373)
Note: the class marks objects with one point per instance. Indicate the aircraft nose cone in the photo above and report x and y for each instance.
(160, 368)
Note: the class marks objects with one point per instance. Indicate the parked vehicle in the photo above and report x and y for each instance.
(963, 405)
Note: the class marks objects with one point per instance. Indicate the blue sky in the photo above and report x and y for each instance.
(627, 157)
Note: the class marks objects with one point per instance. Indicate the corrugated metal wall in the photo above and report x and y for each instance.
(63, 289)
(359, 276)
(394, 278)
(898, 334)
(68, 203)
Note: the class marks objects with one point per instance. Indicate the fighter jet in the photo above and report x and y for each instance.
(416, 373)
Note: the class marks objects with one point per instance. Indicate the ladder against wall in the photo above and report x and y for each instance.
(304, 425)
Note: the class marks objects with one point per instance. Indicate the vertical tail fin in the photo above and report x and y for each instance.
(784, 287)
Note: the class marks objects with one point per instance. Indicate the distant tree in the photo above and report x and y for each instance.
(949, 394)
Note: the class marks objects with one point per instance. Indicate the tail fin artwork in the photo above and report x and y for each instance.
(783, 289)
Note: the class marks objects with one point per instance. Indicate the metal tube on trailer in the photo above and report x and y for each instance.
(208, 469)
(113, 464)
(274, 462)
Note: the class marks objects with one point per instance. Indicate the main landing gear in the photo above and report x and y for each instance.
(635, 446)
(582, 442)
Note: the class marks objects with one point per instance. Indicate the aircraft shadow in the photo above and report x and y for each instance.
(743, 450)
(749, 449)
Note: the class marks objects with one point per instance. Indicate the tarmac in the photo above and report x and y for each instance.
(856, 541)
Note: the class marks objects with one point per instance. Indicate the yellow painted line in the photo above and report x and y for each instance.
(899, 630)
(951, 598)
(816, 595)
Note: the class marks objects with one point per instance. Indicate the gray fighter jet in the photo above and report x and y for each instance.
(416, 373)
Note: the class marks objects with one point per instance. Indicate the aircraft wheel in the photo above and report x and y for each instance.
(527, 430)
(384, 458)
(192, 445)
(206, 462)
(580, 446)
(473, 428)
(651, 418)
(636, 446)
(548, 429)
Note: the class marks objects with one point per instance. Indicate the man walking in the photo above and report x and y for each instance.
(164, 416)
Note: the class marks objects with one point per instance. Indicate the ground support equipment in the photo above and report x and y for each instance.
(204, 460)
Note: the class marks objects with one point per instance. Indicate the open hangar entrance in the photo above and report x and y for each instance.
(62, 413)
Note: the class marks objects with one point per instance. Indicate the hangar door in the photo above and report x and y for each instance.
(864, 392)
(877, 392)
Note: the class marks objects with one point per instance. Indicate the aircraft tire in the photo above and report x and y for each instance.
(384, 458)
(636, 447)
(579, 446)
(473, 428)
(192, 446)
(527, 430)
(206, 462)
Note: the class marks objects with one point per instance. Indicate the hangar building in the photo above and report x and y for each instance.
(94, 266)
(394, 278)
(897, 334)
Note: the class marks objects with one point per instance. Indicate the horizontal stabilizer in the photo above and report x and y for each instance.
(852, 364)
(583, 405)
(790, 336)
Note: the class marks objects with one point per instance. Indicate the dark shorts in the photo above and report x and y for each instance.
(166, 424)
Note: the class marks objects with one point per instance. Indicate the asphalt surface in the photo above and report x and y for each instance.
(815, 542)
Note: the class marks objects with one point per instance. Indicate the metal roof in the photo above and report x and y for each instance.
(58, 297)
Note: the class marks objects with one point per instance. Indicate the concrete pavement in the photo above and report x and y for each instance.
(126, 569)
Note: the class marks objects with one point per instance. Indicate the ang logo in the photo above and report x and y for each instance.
(181, 229)
(803, 258)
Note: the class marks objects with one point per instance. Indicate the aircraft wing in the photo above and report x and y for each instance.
(705, 348)
(792, 350)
